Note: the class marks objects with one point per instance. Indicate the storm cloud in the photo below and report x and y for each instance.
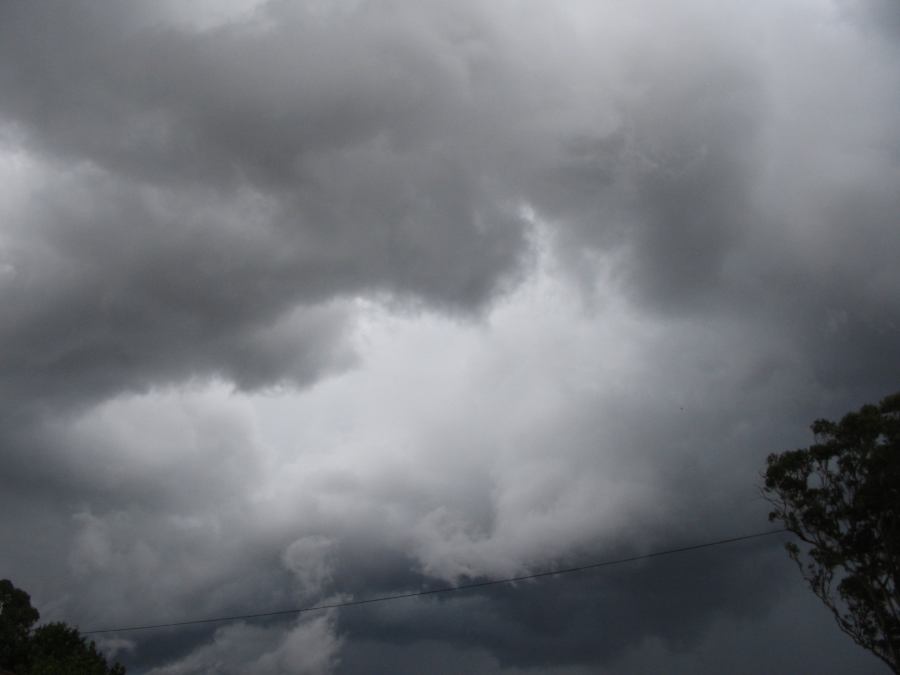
(306, 302)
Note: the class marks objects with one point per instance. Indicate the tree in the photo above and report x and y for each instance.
(58, 648)
(49, 649)
(841, 498)
(17, 616)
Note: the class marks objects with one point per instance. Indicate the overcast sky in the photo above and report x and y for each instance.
(307, 301)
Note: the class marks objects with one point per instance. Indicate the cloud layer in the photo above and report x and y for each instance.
(307, 300)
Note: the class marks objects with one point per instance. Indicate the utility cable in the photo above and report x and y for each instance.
(446, 589)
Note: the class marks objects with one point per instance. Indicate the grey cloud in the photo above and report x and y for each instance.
(308, 648)
(298, 190)
(672, 188)
(590, 618)
(880, 17)
(197, 223)
(122, 291)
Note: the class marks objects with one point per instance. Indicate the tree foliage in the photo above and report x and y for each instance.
(49, 649)
(841, 498)
(17, 616)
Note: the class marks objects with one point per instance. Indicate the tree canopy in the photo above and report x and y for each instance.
(49, 649)
(841, 498)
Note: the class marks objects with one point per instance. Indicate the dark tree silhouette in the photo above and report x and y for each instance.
(841, 498)
(50, 649)
(58, 648)
(17, 616)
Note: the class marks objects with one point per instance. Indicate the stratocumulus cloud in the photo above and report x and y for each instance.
(308, 301)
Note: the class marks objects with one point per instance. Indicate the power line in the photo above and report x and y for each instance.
(446, 589)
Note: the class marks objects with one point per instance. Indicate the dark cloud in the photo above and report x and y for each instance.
(591, 618)
(672, 187)
(202, 187)
(308, 301)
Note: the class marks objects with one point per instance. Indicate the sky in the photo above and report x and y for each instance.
(308, 302)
